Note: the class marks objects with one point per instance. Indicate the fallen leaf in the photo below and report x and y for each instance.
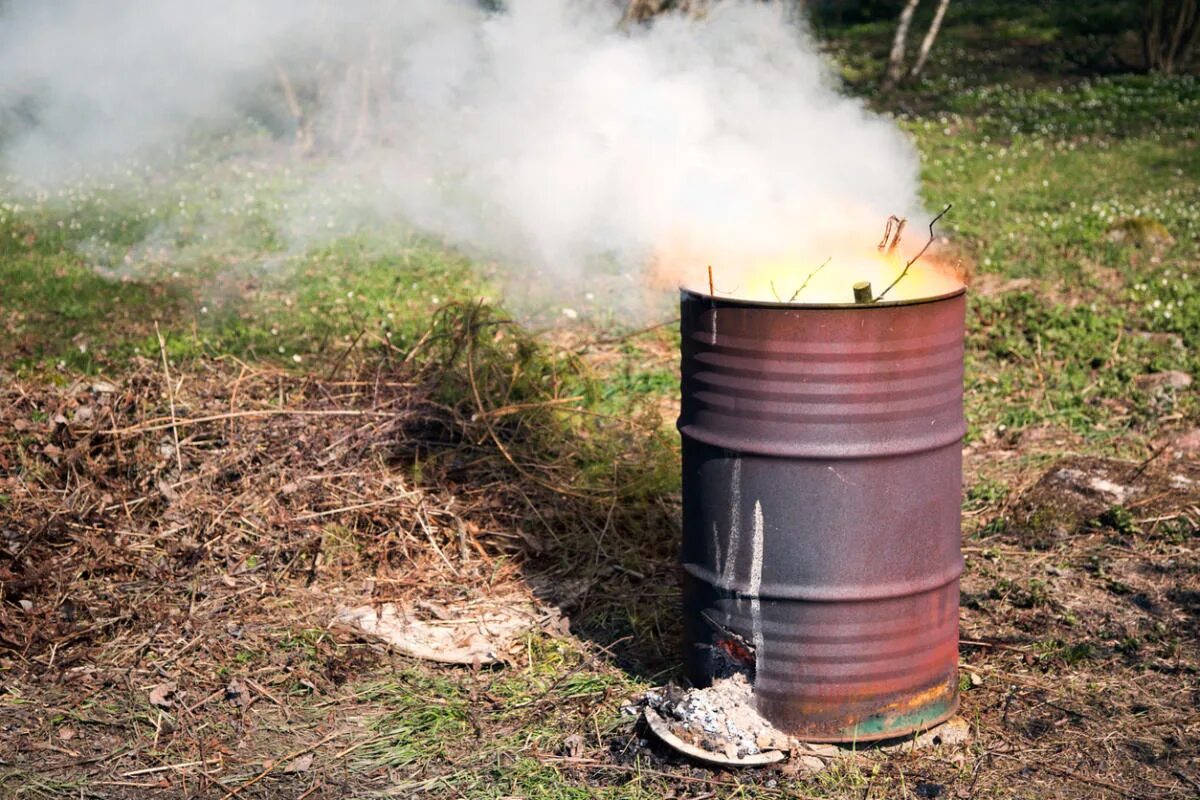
(300, 764)
(66, 733)
(161, 695)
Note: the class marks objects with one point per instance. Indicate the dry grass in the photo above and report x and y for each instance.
(165, 610)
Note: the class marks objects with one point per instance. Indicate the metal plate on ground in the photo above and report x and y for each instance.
(660, 728)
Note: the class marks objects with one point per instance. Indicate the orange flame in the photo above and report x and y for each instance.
(791, 280)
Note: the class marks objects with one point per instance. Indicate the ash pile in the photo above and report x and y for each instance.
(720, 719)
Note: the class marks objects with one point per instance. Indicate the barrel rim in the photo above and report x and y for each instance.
(686, 293)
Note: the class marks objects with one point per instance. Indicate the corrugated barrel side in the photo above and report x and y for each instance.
(822, 476)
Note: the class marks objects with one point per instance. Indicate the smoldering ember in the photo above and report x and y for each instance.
(616, 398)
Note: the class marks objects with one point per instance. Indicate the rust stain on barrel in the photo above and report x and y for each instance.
(822, 472)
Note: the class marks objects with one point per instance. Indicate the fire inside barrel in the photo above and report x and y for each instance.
(821, 493)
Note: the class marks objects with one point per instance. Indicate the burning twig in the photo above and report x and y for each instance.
(896, 237)
(712, 292)
(809, 278)
(917, 256)
(891, 231)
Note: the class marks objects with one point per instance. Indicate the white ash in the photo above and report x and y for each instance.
(720, 718)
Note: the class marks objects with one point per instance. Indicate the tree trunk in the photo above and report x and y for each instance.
(930, 36)
(895, 67)
(1170, 34)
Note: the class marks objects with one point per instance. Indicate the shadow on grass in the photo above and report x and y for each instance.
(591, 489)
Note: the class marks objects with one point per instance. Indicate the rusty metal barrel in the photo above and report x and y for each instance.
(822, 481)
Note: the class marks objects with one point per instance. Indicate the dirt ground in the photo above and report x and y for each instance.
(173, 554)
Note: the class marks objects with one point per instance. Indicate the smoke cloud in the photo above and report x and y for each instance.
(574, 149)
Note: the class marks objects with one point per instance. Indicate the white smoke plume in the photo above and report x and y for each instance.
(547, 134)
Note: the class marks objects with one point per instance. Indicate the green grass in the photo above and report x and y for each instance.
(1041, 167)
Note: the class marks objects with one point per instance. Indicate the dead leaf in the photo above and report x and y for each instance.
(300, 764)
(472, 632)
(66, 733)
(161, 695)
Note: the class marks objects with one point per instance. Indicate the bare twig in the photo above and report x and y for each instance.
(159, 424)
(917, 257)
(712, 292)
(796, 293)
(182, 765)
(162, 349)
(280, 762)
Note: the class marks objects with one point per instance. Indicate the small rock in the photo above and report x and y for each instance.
(929, 790)
(809, 763)
(161, 695)
(1173, 378)
(237, 693)
(975, 679)
(1140, 232)
(572, 746)
(300, 764)
(1187, 444)
(1080, 481)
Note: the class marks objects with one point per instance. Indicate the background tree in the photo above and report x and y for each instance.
(1170, 35)
(895, 69)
